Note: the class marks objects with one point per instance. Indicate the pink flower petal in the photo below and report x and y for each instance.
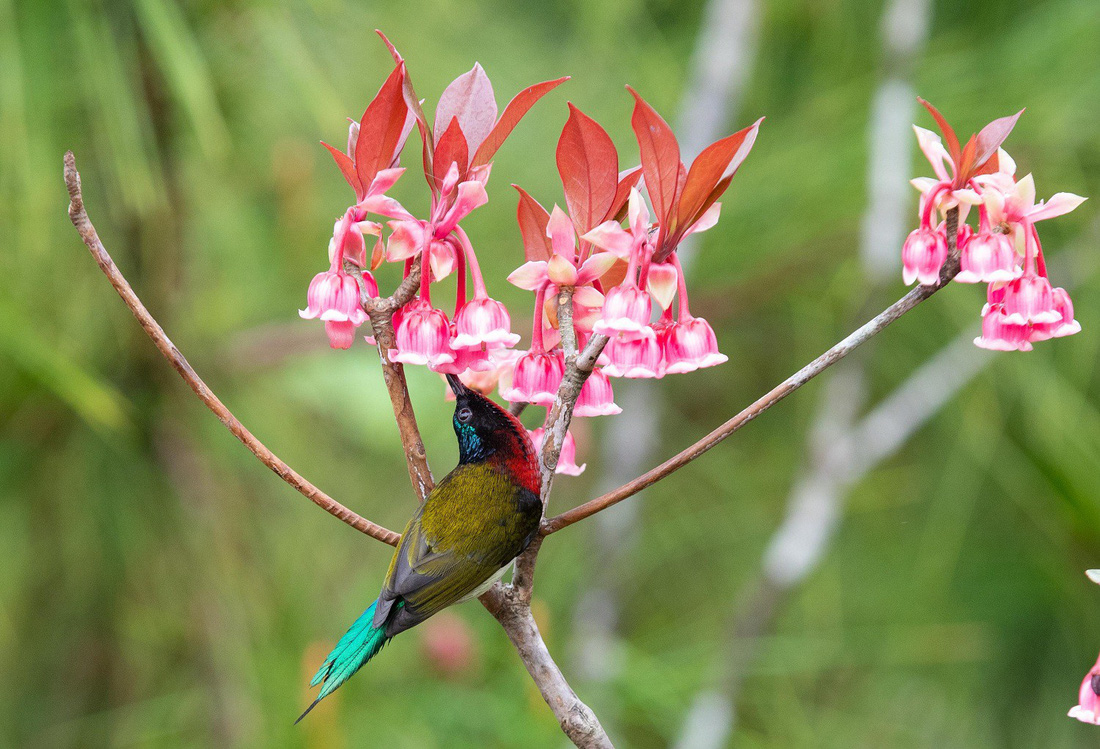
(611, 237)
(530, 276)
(594, 267)
(1059, 204)
(563, 238)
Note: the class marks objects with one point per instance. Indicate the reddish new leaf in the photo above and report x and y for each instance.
(706, 171)
(513, 113)
(532, 219)
(743, 150)
(615, 275)
(589, 169)
(965, 164)
(347, 168)
(992, 136)
(666, 245)
(627, 180)
(660, 158)
(412, 101)
(451, 149)
(381, 127)
(470, 99)
(991, 165)
(946, 129)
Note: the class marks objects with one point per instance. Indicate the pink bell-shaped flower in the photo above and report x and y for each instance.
(1001, 334)
(626, 310)
(483, 322)
(689, 345)
(922, 256)
(637, 358)
(423, 336)
(596, 397)
(1063, 305)
(1087, 709)
(536, 378)
(1029, 299)
(567, 459)
(988, 257)
(333, 297)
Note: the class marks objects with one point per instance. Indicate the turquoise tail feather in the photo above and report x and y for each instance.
(358, 645)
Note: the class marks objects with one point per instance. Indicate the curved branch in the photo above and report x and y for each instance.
(870, 329)
(152, 328)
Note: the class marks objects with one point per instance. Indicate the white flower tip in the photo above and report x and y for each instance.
(1093, 575)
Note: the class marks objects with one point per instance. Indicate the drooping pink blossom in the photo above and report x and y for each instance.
(988, 257)
(334, 298)
(632, 358)
(922, 256)
(536, 378)
(1064, 326)
(483, 322)
(1001, 334)
(596, 397)
(688, 345)
(422, 336)
(626, 310)
(1030, 299)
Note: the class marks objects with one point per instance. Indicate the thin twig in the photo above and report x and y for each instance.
(578, 366)
(781, 391)
(380, 310)
(152, 328)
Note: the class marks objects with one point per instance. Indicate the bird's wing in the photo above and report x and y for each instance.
(467, 529)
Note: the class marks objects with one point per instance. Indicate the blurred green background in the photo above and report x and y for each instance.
(160, 587)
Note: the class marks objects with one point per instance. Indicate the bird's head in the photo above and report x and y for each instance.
(485, 430)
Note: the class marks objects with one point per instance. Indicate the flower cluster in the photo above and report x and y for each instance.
(457, 158)
(626, 282)
(1004, 251)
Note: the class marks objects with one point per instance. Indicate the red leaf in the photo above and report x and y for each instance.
(381, 127)
(708, 168)
(666, 245)
(718, 161)
(947, 130)
(992, 136)
(991, 165)
(412, 101)
(660, 158)
(451, 148)
(627, 180)
(589, 169)
(532, 219)
(513, 113)
(347, 168)
(470, 99)
(965, 163)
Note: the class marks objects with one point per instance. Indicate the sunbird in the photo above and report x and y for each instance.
(459, 542)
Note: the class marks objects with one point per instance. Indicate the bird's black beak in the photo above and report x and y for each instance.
(456, 385)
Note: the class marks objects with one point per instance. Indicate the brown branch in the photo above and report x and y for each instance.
(152, 328)
(576, 719)
(380, 310)
(511, 604)
(578, 366)
(870, 329)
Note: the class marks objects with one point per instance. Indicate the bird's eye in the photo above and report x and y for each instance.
(465, 414)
